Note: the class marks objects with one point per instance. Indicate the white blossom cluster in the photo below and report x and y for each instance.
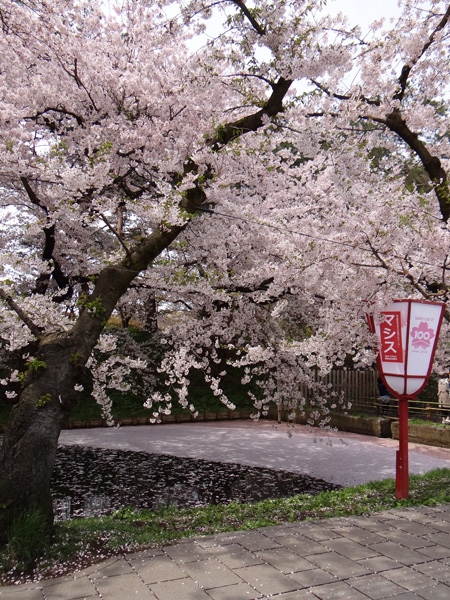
(249, 200)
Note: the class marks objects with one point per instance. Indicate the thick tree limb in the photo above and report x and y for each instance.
(47, 254)
(432, 164)
(406, 70)
(253, 122)
(35, 330)
(256, 26)
(115, 232)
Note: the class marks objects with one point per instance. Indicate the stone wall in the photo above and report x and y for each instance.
(425, 434)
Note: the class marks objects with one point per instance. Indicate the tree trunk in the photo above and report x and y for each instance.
(31, 437)
(48, 396)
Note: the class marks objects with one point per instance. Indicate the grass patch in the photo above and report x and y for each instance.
(27, 537)
(81, 542)
(417, 421)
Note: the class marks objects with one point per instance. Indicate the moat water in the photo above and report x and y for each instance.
(94, 482)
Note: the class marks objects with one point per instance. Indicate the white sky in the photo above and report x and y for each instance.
(364, 12)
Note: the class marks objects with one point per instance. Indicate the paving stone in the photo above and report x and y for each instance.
(425, 517)
(123, 586)
(317, 532)
(254, 540)
(393, 514)
(298, 595)
(409, 579)
(441, 526)
(338, 565)
(211, 573)
(336, 523)
(350, 549)
(379, 525)
(208, 541)
(277, 530)
(437, 592)
(337, 591)
(120, 566)
(435, 569)
(360, 535)
(240, 591)
(143, 554)
(179, 589)
(417, 514)
(387, 521)
(255, 565)
(404, 513)
(442, 509)
(379, 564)
(435, 552)
(267, 580)
(406, 539)
(301, 544)
(153, 569)
(187, 552)
(405, 556)
(313, 577)
(6, 593)
(234, 556)
(407, 596)
(285, 560)
(375, 586)
(441, 538)
(94, 568)
(227, 537)
(69, 588)
(369, 523)
(417, 528)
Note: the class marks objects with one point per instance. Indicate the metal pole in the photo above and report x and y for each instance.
(402, 471)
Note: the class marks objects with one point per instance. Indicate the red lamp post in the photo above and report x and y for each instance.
(407, 332)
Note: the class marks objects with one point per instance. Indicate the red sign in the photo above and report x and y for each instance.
(405, 360)
(391, 338)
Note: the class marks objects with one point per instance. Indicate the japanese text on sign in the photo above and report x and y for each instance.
(391, 338)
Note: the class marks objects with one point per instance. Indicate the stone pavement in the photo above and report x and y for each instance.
(402, 554)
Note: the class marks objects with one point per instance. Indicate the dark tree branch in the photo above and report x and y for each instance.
(63, 112)
(115, 233)
(406, 70)
(35, 330)
(253, 122)
(432, 165)
(47, 254)
(254, 23)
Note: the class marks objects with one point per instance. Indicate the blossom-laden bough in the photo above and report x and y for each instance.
(242, 179)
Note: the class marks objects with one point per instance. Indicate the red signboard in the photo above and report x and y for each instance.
(407, 334)
(391, 338)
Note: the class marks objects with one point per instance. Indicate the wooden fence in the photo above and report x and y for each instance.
(359, 389)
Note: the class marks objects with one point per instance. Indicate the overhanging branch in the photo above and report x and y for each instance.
(35, 330)
(406, 70)
(253, 122)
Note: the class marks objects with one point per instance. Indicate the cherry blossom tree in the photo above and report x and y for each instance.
(245, 164)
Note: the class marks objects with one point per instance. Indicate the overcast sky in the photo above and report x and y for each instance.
(363, 12)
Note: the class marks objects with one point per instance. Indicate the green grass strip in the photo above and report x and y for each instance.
(81, 542)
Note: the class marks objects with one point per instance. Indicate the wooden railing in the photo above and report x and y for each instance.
(360, 390)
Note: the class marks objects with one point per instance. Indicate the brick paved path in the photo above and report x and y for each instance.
(402, 554)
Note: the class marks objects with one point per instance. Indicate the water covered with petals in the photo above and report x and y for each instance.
(93, 482)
